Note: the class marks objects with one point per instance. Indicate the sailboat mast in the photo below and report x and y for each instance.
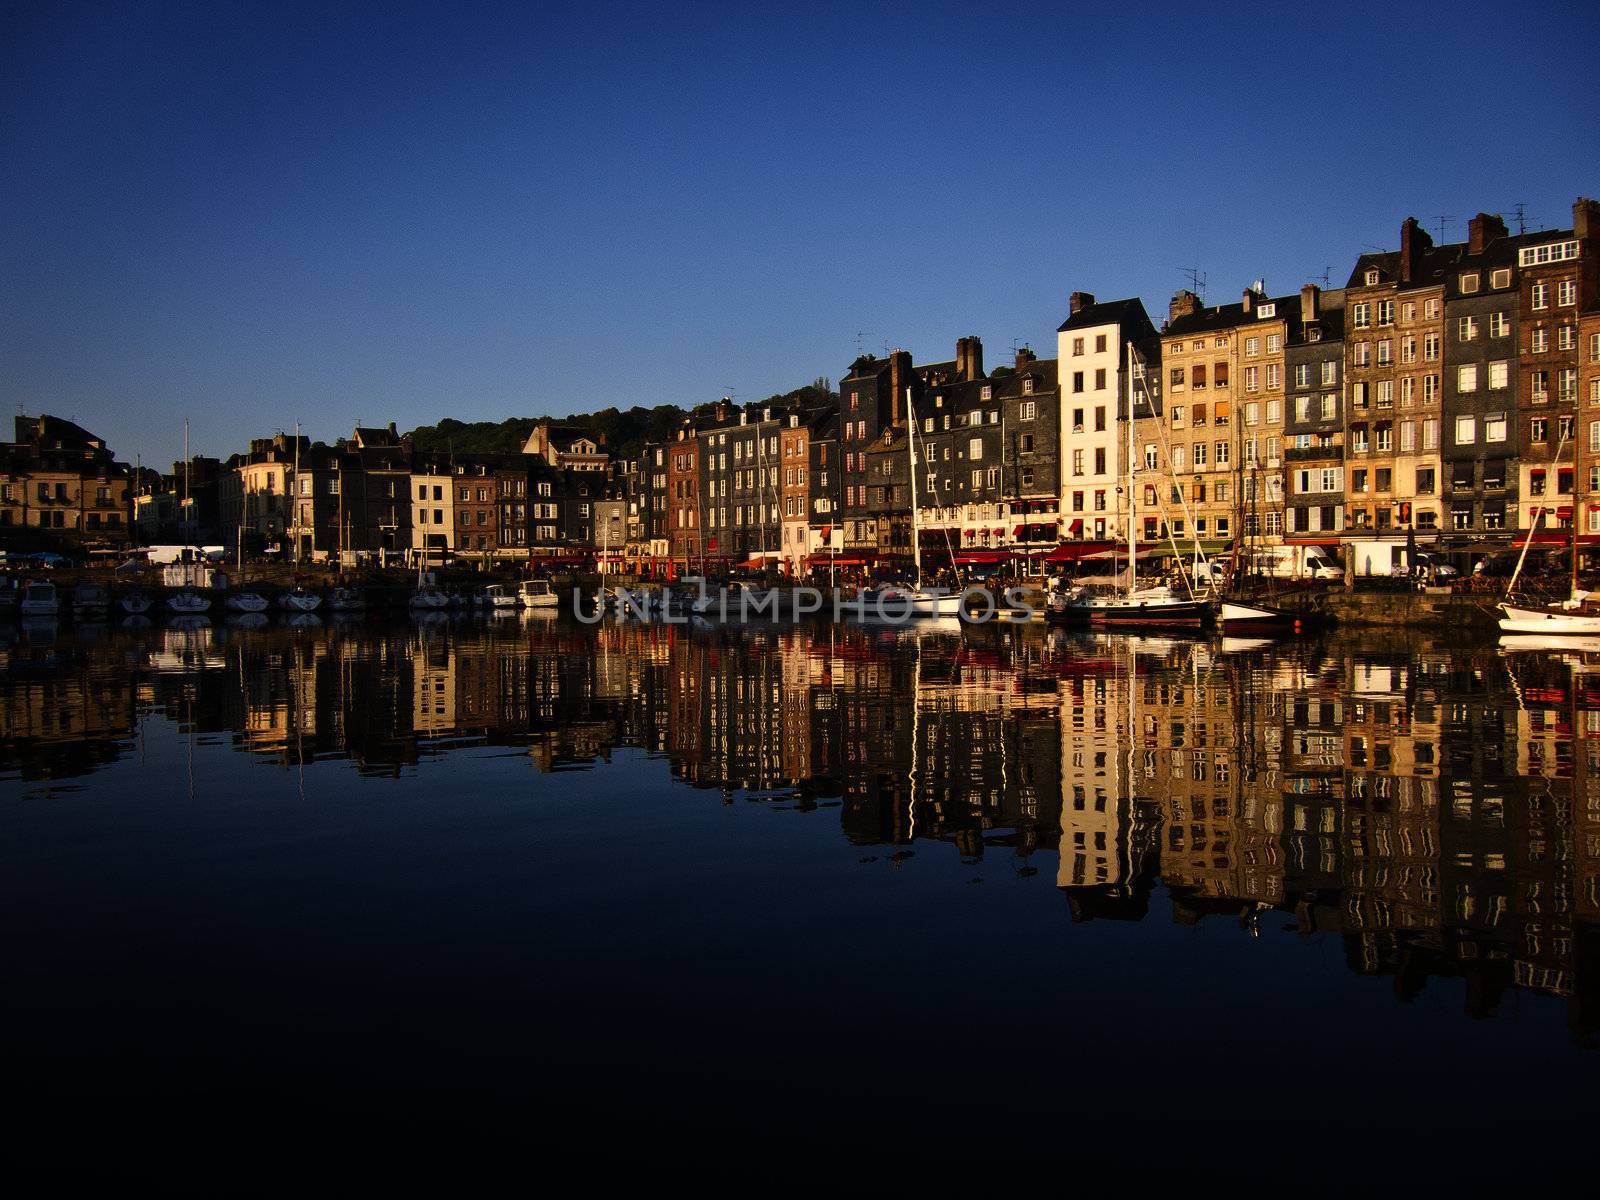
(1133, 530)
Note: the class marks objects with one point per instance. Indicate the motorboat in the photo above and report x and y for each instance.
(537, 593)
(246, 602)
(135, 602)
(346, 599)
(501, 596)
(188, 604)
(38, 599)
(300, 599)
(89, 601)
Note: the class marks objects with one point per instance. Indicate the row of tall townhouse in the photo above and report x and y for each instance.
(58, 481)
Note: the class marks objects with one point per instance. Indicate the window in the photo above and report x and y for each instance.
(1252, 380)
(1100, 343)
(975, 449)
(1494, 427)
(1430, 347)
(1469, 283)
(1539, 340)
(1467, 378)
(1539, 429)
(1385, 438)
(1100, 379)
(1567, 293)
(1385, 312)
(1466, 329)
(1221, 454)
(1361, 314)
(1499, 327)
(1362, 354)
(1430, 434)
(1029, 410)
(1548, 253)
(987, 393)
(1430, 389)
(1499, 375)
(1329, 407)
(1077, 347)
(1330, 373)
(1408, 391)
(1408, 437)
(1274, 340)
(1566, 338)
(1199, 455)
(1539, 295)
(1252, 347)
(1425, 481)
(1100, 418)
(1466, 430)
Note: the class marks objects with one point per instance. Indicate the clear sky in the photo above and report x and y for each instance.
(257, 214)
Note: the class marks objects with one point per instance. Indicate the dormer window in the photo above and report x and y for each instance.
(1372, 276)
(1469, 283)
(1027, 386)
(987, 393)
(1266, 310)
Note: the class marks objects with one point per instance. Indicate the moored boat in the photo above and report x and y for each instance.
(188, 603)
(246, 602)
(346, 599)
(38, 599)
(1579, 616)
(300, 599)
(537, 593)
(89, 601)
(1237, 616)
(501, 596)
(135, 602)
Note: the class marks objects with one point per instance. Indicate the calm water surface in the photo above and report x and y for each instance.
(1078, 906)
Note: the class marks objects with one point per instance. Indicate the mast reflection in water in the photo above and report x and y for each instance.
(347, 860)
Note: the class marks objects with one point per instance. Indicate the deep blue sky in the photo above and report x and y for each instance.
(257, 214)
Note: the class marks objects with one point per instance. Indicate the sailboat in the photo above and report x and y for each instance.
(1135, 607)
(1577, 615)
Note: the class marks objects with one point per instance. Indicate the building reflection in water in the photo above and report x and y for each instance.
(1437, 810)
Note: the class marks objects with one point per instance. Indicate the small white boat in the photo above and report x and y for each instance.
(38, 599)
(537, 593)
(1239, 617)
(246, 602)
(429, 598)
(134, 603)
(300, 599)
(1569, 618)
(346, 599)
(501, 595)
(188, 603)
(929, 604)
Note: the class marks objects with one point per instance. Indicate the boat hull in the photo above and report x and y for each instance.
(1517, 619)
(1238, 617)
(1138, 614)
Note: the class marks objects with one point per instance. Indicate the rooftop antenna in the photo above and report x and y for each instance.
(1443, 220)
(1327, 276)
(1197, 280)
(859, 346)
(1520, 211)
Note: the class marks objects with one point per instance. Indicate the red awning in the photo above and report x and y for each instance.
(1017, 530)
(1542, 537)
(1076, 526)
(969, 558)
(1564, 514)
(1073, 551)
(1315, 541)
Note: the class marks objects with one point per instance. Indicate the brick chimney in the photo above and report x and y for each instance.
(1184, 304)
(900, 379)
(1483, 229)
(1310, 304)
(1024, 357)
(1249, 301)
(969, 359)
(1414, 243)
(1586, 218)
(1079, 301)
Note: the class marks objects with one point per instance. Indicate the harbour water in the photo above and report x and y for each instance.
(1147, 905)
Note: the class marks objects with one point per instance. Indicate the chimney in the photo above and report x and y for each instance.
(1414, 243)
(1184, 304)
(1483, 229)
(722, 410)
(1586, 218)
(1079, 301)
(899, 381)
(1310, 304)
(974, 360)
(1025, 356)
(392, 430)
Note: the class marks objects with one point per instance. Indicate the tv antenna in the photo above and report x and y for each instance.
(1327, 276)
(1520, 211)
(1442, 220)
(1196, 278)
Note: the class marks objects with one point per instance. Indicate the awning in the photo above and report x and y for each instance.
(1564, 513)
(969, 558)
(1542, 537)
(1076, 527)
(1311, 541)
(1073, 551)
